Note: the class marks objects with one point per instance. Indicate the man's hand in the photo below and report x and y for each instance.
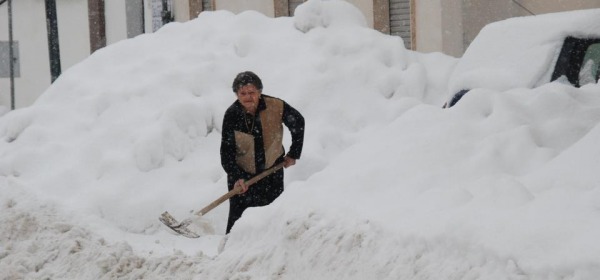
(288, 161)
(241, 186)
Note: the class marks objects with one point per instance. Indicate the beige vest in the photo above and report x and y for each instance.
(272, 130)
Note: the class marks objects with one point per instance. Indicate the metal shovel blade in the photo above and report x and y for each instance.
(180, 228)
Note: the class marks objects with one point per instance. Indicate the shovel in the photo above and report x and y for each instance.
(182, 227)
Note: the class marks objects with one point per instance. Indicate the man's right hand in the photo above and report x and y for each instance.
(241, 186)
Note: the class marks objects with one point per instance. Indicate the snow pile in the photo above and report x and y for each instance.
(38, 242)
(327, 14)
(390, 186)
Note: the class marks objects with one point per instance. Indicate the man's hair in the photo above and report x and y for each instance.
(245, 78)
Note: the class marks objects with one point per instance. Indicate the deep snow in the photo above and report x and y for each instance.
(504, 185)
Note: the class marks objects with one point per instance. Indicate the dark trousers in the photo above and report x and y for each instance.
(262, 193)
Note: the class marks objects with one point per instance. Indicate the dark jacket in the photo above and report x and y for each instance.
(236, 121)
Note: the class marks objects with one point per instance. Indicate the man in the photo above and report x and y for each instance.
(251, 142)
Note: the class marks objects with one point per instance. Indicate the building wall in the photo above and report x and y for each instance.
(452, 28)
(265, 7)
(116, 21)
(366, 7)
(551, 6)
(73, 28)
(29, 29)
(428, 24)
(181, 9)
(477, 13)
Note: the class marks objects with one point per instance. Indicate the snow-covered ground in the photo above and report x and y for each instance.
(504, 185)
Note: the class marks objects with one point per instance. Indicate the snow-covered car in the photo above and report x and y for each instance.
(527, 52)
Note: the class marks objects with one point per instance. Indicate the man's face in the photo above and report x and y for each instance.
(248, 96)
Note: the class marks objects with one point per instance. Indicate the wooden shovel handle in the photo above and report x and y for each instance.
(235, 191)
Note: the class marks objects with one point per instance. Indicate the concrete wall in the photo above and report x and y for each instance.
(181, 8)
(266, 7)
(366, 6)
(478, 13)
(73, 31)
(116, 21)
(120, 25)
(31, 72)
(452, 28)
(551, 6)
(29, 29)
(428, 26)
